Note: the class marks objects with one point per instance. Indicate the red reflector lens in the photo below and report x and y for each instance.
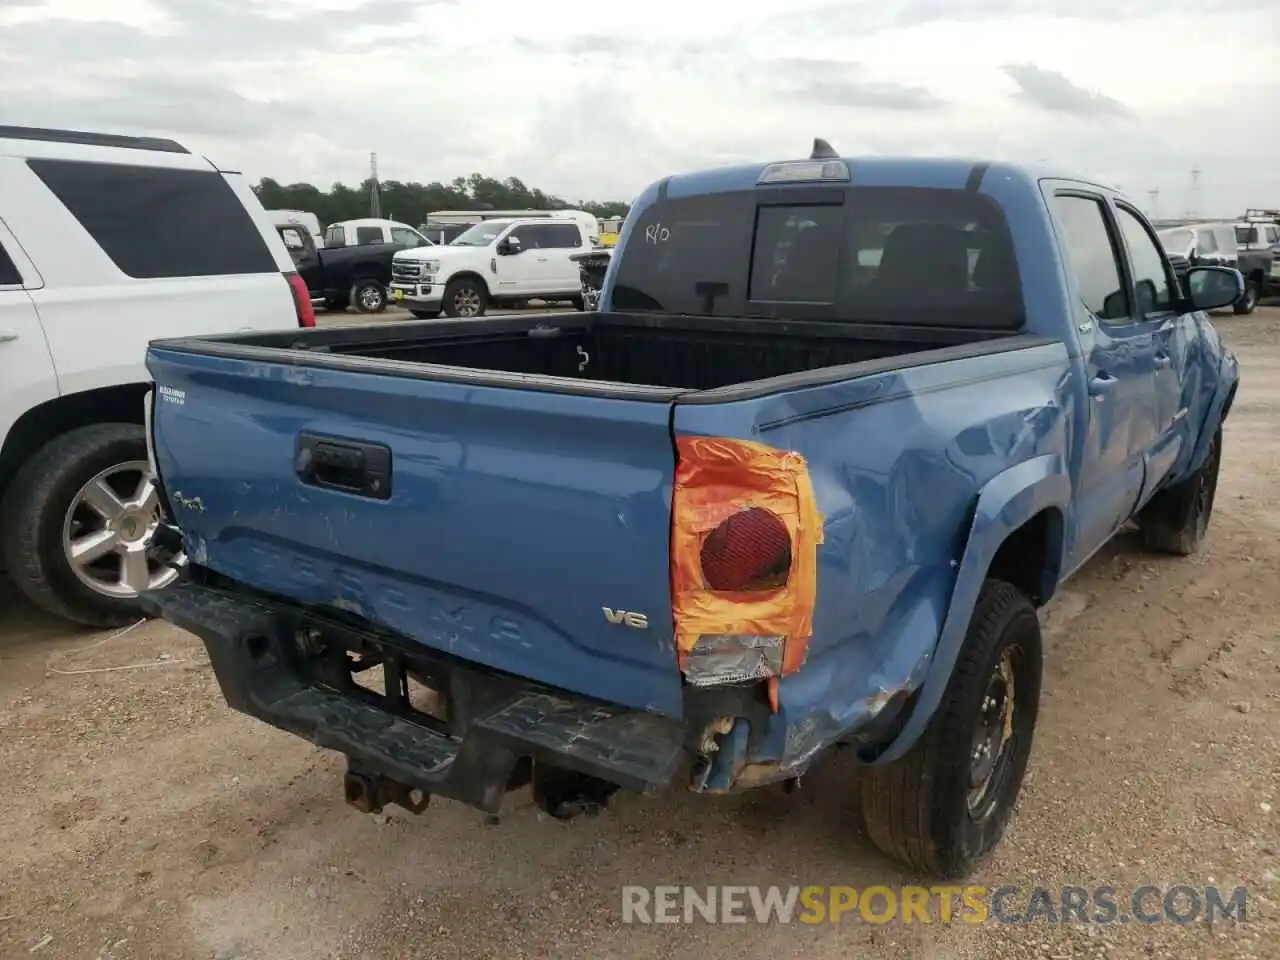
(749, 551)
(301, 300)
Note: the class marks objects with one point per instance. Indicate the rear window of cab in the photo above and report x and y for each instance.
(866, 254)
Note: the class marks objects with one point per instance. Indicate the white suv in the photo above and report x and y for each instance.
(496, 262)
(108, 242)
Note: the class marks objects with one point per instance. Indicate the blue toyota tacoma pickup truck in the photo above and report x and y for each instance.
(838, 428)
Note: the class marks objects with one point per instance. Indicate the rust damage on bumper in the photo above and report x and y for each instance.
(737, 753)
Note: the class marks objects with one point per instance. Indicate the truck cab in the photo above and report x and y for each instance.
(493, 263)
(371, 230)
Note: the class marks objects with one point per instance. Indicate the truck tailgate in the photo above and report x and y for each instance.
(513, 528)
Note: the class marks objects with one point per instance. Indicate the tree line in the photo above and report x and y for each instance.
(411, 202)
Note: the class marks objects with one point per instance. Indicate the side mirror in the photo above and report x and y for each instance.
(1210, 288)
(510, 246)
(1116, 305)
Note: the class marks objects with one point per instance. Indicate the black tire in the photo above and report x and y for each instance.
(369, 296)
(35, 509)
(579, 303)
(424, 314)
(1249, 301)
(1177, 518)
(917, 809)
(465, 290)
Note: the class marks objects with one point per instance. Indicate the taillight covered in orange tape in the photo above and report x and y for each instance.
(744, 560)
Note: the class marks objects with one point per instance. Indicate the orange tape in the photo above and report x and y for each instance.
(715, 478)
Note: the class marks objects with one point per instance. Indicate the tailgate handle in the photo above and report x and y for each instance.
(363, 469)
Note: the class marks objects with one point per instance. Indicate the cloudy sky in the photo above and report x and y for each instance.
(595, 100)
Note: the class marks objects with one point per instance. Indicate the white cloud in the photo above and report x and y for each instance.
(595, 101)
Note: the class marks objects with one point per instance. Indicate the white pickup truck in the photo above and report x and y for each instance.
(495, 263)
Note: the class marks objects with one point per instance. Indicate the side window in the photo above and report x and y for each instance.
(1091, 256)
(336, 237)
(1273, 235)
(366, 235)
(797, 254)
(154, 222)
(8, 272)
(1206, 242)
(405, 236)
(561, 236)
(530, 236)
(1155, 291)
(292, 237)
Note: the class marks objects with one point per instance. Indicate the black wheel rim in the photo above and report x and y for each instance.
(994, 740)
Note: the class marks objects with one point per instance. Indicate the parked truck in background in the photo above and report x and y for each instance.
(838, 429)
(1259, 233)
(1217, 244)
(374, 231)
(309, 222)
(494, 263)
(353, 276)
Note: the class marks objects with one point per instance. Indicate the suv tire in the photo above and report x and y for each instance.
(46, 507)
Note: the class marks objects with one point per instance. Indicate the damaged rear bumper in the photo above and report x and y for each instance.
(292, 670)
(297, 670)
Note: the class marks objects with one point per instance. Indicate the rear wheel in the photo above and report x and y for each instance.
(79, 523)
(465, 298)
(1248, 302)
(945, 804)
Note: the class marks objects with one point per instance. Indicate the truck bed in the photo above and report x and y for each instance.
(659, 354)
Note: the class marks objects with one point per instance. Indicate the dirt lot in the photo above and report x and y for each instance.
(144, 819)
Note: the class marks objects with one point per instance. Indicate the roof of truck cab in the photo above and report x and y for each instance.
(940, 172)
(371, 222)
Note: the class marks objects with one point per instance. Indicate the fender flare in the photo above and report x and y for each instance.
(1219, 407)
(1005, 503)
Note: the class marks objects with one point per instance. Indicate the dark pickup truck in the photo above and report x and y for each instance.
(1218, 245)
(338, 277)
(837, 429)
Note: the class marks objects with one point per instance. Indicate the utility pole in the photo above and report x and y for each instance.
(1194, 201)
(375, 202)
(1154, 194)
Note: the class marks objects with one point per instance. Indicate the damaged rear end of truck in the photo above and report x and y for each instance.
(697, 537)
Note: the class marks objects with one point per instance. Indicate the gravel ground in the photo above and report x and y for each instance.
(145, 819)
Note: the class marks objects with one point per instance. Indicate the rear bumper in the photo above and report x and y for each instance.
(286, 667)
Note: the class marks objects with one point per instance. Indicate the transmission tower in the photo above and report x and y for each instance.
(1154, 194)
(1194, 199)
(375, 202)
